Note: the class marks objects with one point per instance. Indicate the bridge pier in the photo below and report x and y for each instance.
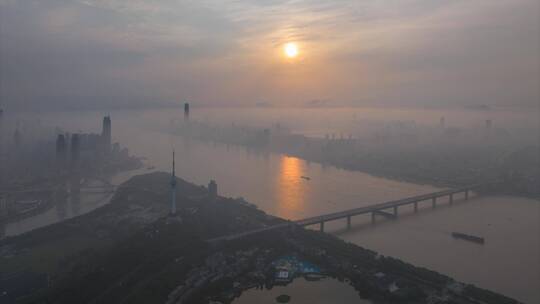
(373, 217)
(415, 207)
(434, 202)
(348, 222)
(388, 215)
(466, 194)
(395, 211)
(451, 199)
(321, 228)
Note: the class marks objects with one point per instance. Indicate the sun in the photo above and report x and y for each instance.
(290, 49)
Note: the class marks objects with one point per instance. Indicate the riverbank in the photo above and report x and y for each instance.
(131, 251)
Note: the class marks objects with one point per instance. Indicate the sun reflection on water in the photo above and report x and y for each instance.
(291, 190)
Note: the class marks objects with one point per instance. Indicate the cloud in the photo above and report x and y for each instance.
(98, 53)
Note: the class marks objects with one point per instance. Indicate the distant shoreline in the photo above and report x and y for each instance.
(179, 107)
(314, 150)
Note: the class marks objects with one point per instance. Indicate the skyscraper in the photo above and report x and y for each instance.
(61, 149)
(173, 188)
(186, 111)
(75, 149)
(106, 134)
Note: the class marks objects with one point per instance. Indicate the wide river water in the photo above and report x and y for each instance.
(508, 262)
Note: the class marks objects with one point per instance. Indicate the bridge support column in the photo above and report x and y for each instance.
(466, 194)
(348, 222)
(373, 217)
(451, 199)
(321, 228)
(434, 202)
(415, 207)
(395, 211)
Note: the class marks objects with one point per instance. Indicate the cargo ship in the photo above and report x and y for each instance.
(468, 237)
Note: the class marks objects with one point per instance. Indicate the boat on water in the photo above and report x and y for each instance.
(468, 237)
(305, 177)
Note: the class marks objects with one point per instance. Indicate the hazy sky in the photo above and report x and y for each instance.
(96, 53)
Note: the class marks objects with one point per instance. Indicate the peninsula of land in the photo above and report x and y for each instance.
(133, 251)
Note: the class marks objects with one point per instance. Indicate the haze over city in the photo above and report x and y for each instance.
(304, 152)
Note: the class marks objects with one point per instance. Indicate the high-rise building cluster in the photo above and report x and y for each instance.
(72, 148)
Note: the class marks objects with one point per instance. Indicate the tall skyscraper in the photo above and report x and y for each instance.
(106, 134)
(441, 122)
(173, 188)
(75, 149)
(61, 149)
(186, 111)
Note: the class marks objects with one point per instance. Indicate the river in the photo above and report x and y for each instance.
(509, 261)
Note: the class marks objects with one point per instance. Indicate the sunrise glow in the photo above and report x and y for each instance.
(291, 50)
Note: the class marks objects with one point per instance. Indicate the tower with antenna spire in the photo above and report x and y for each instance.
(173, 188)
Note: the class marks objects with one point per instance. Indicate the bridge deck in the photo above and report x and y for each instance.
(379, 206)
(350, 212)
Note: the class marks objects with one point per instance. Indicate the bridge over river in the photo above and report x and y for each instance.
(386, 209)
